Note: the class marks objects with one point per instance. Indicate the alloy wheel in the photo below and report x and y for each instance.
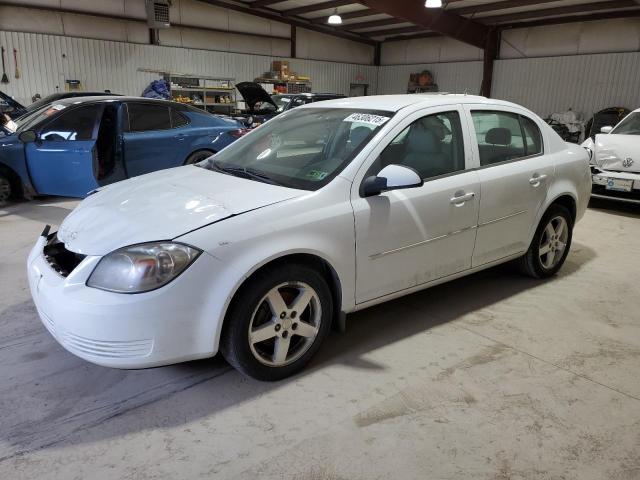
(553, 242)
(285, 324)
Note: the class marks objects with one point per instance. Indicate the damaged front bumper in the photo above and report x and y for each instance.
(160, 327)
(612, 185)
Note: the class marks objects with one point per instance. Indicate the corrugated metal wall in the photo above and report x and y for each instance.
(454, 77)
(584, 83)
(47, 60)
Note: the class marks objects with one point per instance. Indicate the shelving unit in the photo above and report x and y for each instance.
(272, 85)
(215, 95)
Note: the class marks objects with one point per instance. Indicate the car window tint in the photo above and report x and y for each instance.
(499, 136)
(178, 119)
(74, 124)
(145, 117)
(532, 135)
(629, 126)
(432, 146)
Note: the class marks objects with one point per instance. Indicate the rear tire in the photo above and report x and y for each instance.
(550, 245)
(277, 322)
(198, 156)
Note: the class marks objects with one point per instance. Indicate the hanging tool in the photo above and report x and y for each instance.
(5, 79)
(15, 61)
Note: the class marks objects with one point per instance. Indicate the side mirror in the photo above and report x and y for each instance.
(391, 177)
(28, 136)
(606, 129)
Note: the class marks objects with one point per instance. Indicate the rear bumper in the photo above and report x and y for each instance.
(168, 325)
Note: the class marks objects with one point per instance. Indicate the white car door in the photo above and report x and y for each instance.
(514, 176)
(406, 238)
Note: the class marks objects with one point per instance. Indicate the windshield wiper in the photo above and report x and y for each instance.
(247, 173)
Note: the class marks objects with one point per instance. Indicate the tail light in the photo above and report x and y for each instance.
(238, 133)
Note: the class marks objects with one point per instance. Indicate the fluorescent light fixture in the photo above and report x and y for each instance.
(335, 19)
(433, 3)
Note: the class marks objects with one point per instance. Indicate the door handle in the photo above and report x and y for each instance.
(460, 200)
(179, 136)
(537, 179)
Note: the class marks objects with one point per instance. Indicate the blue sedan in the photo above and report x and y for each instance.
(76, 145)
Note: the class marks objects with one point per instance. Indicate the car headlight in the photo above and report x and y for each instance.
(141, 268)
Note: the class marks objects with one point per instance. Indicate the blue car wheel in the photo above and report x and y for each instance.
(198, 156)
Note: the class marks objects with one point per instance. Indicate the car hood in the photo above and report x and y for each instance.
(254, 93)
(11, 107)
(161, 206)
(619, 153)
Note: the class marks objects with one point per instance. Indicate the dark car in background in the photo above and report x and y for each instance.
(14, 109)
(261, 106)
(75, 145)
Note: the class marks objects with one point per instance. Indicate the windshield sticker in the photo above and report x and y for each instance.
(376, 120)
(275, 141)
(58, 107)
(317, 175)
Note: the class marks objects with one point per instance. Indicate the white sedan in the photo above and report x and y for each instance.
(325, 210)
(615, 161)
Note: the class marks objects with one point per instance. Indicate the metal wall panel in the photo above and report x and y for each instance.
(47, 60)
(583, 83)
(454, 77)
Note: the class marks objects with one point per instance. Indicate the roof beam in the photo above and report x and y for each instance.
(394, 31)
(575, 18)
(317, 6)
(296, 21)
(264, 3)
(439, 20)
(371, 24)
(549, 12)
(491, 7)
(348, 16)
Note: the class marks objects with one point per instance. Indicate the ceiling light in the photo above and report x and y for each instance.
(433, 3)
(335, 19)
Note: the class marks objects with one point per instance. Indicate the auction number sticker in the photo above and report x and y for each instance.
(376, 120)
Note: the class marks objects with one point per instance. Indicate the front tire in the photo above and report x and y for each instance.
(550, 245)
(277, 322)
(6, 189)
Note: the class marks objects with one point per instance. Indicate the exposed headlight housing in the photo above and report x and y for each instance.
(141, 268)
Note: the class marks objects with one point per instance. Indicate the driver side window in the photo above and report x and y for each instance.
(432, 146)
(75, 124)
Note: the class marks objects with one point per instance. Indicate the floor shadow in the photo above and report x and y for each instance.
(45, 212)
(622, 209)
(56, 398)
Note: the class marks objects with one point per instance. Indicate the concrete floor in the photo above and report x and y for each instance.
(494, 376)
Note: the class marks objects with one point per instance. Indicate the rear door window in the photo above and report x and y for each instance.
(499, 136)
(178, 119)
(146, 117)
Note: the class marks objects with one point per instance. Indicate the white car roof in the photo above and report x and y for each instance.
(393, 103)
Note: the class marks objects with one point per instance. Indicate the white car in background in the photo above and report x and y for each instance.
(325, 210)
(615, 160)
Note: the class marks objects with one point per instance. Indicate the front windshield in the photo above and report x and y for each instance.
(29, 120)
(303, 148)
(629, 126)
(281, 101)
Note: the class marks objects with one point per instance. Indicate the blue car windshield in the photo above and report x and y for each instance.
(29, 120)
(304, 148)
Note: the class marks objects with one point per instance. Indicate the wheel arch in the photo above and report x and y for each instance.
(197, 150)
(17, 188)
(314, 260)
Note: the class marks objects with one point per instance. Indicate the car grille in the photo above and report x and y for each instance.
(59, 258)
